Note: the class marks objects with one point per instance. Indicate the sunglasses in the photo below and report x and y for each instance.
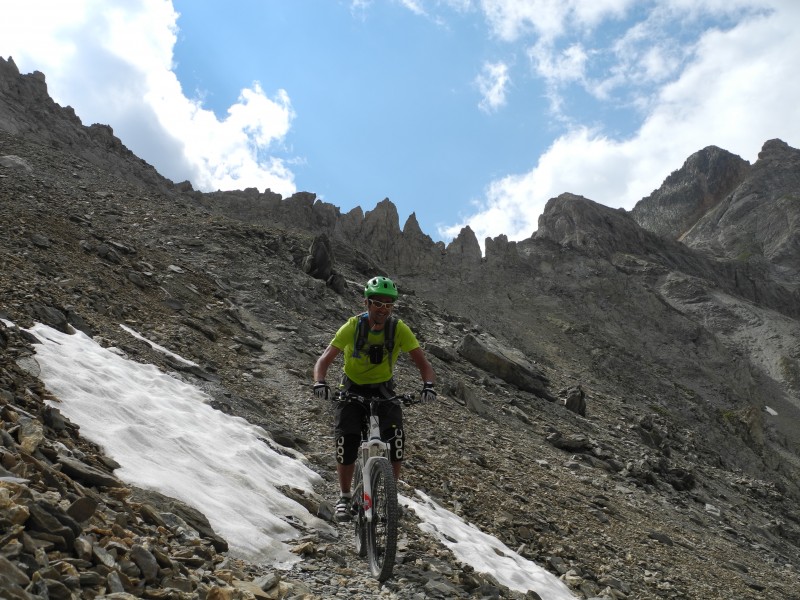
(379, 304)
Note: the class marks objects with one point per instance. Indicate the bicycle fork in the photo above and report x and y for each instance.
(371, 450)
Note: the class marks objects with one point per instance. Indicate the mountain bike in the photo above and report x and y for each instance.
(374, 505)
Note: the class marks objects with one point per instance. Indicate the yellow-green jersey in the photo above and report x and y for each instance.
(360, 369)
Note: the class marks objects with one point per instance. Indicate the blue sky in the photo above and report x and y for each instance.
(464, 112)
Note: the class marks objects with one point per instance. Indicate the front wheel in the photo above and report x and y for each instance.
(382, 530)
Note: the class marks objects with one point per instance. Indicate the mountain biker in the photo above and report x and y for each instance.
(368, 373)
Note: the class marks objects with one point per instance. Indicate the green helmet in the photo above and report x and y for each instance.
(380, 286)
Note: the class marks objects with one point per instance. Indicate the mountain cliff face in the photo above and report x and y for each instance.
(29, 111)
(690, 192)
(679, 481)
(759, 221)
(723, 206)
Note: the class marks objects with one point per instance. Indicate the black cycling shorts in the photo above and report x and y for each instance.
(351, 418)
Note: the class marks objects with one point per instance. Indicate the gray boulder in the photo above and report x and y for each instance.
(319, 261)
(576, 400)
(506, 363)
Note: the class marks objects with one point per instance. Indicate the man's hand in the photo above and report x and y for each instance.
(322, 391)
(427, 394)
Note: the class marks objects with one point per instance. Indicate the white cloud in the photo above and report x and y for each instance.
(28, 28)
(739, 90)
(511, 19)
(113, 59)
(547, 19)
(654, 50)
(567, 66)
(414, 6)
(567, 41)
(492, 84)
(459, 5)
(644, 55)
(418, 7)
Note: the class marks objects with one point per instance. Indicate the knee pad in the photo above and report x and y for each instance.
(398, 445)
(347, 448)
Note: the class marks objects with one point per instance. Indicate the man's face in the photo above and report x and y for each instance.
(379, 308)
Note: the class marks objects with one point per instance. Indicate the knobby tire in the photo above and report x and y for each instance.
(382, 531)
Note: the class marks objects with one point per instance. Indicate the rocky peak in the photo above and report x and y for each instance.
(776, 150)
(410, 250)
(417, 250)
(501, 250)
(24, 97)
(27, 109)
(759, 222)
(690, 192)
(381, 227)
(575, 221)
(29, 88)
(465, 248)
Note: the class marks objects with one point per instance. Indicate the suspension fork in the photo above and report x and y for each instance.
(371, 450)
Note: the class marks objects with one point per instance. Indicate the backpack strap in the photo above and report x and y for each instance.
(388, 334)
(362, 331)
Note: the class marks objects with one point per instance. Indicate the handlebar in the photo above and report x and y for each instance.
(344, 397)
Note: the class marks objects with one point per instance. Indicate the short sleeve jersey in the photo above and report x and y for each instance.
(360, 370)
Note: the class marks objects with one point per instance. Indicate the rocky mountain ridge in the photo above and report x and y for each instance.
(690, 192)
(729, 209)
(758, 221)
(675, 483)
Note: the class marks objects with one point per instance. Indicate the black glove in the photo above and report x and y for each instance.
(427, 394)
(322, 391)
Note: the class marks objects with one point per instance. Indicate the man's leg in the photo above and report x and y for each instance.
(392, 420)
(347, 427)
(345, 474)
